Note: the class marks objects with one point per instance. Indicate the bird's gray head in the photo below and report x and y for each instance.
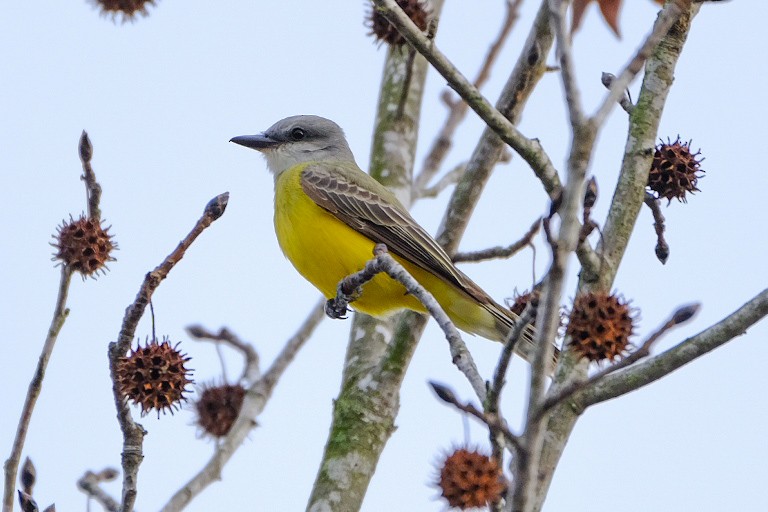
(299, 139)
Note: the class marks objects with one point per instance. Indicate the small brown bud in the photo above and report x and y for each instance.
(444, 393)
(85, 148)
(28, 476)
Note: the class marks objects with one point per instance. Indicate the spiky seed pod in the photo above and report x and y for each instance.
(154, 377)
(469, 479)
(218, 408)
(382, 29)
(600, 326)
(84, 245)
(675, 170)
(521, 300)
(128, 9)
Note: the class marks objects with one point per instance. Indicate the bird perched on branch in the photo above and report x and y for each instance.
(329, 214)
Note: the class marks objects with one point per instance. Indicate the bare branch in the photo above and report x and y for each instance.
(255, 400)
(494, 422)
(90, 482)
(692, 348)
(557, 10)
(349, 287)
(92, 187)
(667, 18)
(681, 315)
(662, 248)
(499, 375)
(624, 101)
(458, 109)
(529, 149)
(60, 313)
(499, 252)
(133, 433)
(451, 178)
(251, 371)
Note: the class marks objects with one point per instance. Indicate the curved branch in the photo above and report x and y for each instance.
(133, 433)
(529, 149)
(255, 400)
(665, 363)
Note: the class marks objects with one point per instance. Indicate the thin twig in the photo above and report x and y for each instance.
(668, 17)
(548, 319)
(494, 422)
(680, 316)
(458, 109)
(662, 247)
(60, 313)
(451, 177)
(255, 400)
(500, 252)
(349, 288)
(529, 149)
(656, 367)
(133, 433)
(251, 371)
(557, 10)
(624, 101)
(499, 375)
(90, 482)
(92, 187)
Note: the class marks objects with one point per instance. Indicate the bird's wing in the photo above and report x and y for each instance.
(368, 207)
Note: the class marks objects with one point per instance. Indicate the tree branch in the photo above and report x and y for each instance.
(499, 252)
(680, 316)
(133, 433)
(90, 482)
(457, 110)
(665, 363)
(383, 262)
(557, 10)
(529, 149)
(60, 313)
(667, 18)
(256, 398)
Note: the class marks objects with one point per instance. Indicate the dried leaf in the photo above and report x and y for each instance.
(609, 8)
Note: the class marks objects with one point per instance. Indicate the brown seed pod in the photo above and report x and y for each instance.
(600, 326)
(84, 246)
(218, 408)
(521, 300)
(675, 170)
(382, 29)
(469, 479)
(128, 9)
(154, 377)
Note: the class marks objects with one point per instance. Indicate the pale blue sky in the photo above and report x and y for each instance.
(160, 99)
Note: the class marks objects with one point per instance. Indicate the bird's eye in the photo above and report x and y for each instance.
(297, 133)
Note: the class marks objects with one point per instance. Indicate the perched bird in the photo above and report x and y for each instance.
(329, 214)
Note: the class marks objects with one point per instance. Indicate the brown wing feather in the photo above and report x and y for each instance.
(367, 206)
(375, 212)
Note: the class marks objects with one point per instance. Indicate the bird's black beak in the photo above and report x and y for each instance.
(259, 142)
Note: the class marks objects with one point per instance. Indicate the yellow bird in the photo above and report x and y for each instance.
(329, 214)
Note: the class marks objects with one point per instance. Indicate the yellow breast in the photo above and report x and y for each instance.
(325, 250)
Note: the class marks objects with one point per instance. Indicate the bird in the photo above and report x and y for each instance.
(329, 214)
